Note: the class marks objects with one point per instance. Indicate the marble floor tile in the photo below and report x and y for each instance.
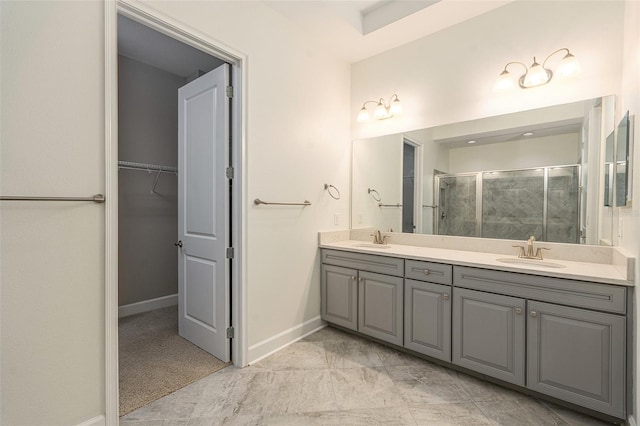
(394, 358)
(426, 384)
(300, 392)
(465, 413)
(331, 334)
(365, 417)
(301, 355)
(231, 395)
(162, 409)
(573, 417)
(525, 412)
(345, 354)
(335, 378)
(242, 420)
(124, 422)
(365, 388)
(481, 391)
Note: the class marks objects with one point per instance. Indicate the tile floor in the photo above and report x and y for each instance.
(335, 378)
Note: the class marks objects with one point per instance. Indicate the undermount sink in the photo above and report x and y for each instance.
(371, 245)
(531, 262)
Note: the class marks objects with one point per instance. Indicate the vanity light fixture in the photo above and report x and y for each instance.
(383, 110)
(536, 74)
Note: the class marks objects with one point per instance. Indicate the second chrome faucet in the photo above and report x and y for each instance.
(378, 238)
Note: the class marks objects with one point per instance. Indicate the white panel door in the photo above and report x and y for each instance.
(203, 212)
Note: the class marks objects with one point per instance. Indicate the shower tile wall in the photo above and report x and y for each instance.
(457, 206)
(562, 205)
(513, 204)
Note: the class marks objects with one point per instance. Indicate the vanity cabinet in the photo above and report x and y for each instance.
(577, 355)
(427, 308)
(559, 337)
(339, 287)
(364, 293)
(380, 306)
(575, 334)
(489, 334)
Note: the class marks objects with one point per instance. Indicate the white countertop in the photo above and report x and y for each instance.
(584, 271)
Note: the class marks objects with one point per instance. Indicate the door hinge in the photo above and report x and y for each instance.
(230, 172)
(230, 333)
(229, 91)
(230, 252)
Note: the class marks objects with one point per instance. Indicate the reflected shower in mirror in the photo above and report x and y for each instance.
(537, 172)
(622, 162)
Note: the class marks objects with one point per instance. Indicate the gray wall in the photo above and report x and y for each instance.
(148, 132)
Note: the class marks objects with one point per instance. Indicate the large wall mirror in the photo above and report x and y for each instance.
(539, 172)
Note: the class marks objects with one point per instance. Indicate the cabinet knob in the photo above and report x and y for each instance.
(360, 279)
(534, 314)
(353, 277)
(518, 311)
(426, 272)
(445, 296)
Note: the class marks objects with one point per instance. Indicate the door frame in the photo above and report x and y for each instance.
(238, 60)
(418, 184)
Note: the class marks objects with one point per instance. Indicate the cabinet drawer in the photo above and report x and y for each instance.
(428, 271)
(581, 294)
(364, 262)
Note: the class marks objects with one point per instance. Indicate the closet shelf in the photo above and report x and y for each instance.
(146, 167)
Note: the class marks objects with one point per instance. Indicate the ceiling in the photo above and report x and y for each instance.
(353, 30)
(356, 30)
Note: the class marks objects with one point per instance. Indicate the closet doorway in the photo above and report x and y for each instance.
(175, 186)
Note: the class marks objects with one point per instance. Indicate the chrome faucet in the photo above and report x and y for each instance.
(378, 238)
(529, 252)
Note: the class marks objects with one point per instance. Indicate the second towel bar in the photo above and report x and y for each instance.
(258, 201)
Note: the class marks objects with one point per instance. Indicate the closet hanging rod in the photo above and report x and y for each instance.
(258, 201)
(147, 167)
(98, 198)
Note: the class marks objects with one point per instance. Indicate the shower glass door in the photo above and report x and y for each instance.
(513, 204)
(456, 200)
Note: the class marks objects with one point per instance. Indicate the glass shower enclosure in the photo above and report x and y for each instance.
(510, 204)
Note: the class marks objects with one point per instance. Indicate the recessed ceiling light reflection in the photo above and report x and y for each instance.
(471, 142)
(527, 134)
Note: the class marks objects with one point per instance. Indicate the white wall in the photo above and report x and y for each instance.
(536, 152)
(53, 143)
(51, 254)
(377, 164)
(629, 217)
(449, 76)
(298, 139)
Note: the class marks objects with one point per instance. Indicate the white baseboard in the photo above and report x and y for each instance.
(147, 305)
(632, 421)
(279, 341)
(96, 421)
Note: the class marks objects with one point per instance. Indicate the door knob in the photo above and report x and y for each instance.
(178, 244)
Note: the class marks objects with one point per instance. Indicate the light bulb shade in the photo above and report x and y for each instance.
(504, 81)
(396, 107)
(569, 66)
(536, 76)
(363, 115)
(381, 111)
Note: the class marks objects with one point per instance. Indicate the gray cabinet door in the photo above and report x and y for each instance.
(427, 319)
(577, 355)
(380, 306)
(489, 334)
(339, 296)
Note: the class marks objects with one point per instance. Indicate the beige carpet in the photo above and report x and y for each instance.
(155, 361)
